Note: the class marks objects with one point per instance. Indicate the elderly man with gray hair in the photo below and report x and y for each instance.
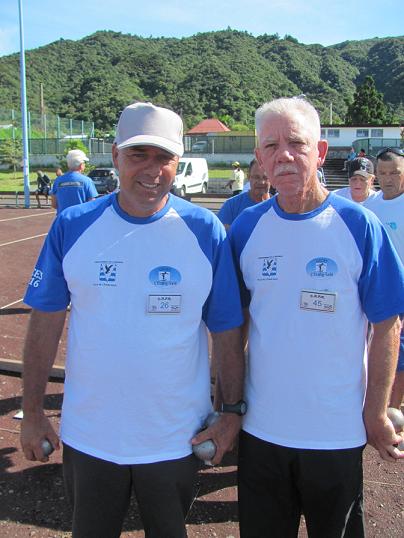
(313, 272)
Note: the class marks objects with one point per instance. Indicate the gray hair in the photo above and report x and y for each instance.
(288, 106)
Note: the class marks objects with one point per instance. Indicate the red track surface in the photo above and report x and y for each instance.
(22, 233)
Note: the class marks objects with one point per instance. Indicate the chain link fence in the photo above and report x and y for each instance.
(43, 126)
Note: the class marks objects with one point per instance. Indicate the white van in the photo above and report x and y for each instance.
(192, 176)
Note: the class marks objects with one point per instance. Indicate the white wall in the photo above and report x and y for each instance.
(347, 135)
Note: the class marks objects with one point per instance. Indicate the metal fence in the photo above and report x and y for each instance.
(373, 145)
(57, 146)
(43, 125)
(219, 144)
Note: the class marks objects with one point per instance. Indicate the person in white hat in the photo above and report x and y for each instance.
(73, 187)
(237, 182)
(146, 273)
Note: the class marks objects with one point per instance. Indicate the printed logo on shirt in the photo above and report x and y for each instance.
(36, 278)
(107, 273)
(164, 275)
(392, 225)
(321, 268)
(268, 267)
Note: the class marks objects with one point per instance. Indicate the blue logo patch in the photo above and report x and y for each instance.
(321, 268)
(108, 272)
(269, 268)
(164, 275)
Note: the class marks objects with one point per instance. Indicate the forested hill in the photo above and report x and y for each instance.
(225, 73)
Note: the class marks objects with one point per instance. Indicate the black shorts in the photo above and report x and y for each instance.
(43, 190)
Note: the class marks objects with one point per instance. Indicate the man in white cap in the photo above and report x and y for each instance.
(73, 187)
(237, 182)
(146, 273)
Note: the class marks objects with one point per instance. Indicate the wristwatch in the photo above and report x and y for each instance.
(239, 408)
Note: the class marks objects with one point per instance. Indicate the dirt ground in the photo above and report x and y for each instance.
(33, 504)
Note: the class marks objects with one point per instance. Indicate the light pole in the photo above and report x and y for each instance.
(25, 161)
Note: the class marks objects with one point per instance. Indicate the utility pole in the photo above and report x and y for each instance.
(331, 113)
(25, 161)
(41, 104)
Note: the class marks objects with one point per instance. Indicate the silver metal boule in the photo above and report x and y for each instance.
(396, 417)
(211, 419)
(205, 451)
(47, 448)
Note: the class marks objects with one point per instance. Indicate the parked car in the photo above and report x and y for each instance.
(103, 179)
(200, 147)
(192, 176)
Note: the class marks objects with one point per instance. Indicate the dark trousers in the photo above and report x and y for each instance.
(277, 484)
(99, 492)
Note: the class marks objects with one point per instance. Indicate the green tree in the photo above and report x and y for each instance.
(11, 153)
(368, 106)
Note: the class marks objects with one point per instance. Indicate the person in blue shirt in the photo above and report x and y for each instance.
(73, 187)
(259, 191)
(350, 157)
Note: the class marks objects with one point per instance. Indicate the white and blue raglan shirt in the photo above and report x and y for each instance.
(142, 292)
(312, 281)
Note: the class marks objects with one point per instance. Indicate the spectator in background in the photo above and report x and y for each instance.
(360, 182)
(73, 187)
(43, 184)
(58, 172)
(388, 205)
(350, 157)
(112, 182)
(237, 182)
(259, 191)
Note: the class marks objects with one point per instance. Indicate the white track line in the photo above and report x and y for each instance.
(11, 304)
(28, 216)
(25, 239)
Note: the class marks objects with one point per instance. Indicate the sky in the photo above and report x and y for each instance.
(310, 21)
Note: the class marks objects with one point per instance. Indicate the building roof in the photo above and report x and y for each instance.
(211, 125)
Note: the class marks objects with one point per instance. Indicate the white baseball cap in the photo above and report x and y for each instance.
(144, 124)
(75, 157)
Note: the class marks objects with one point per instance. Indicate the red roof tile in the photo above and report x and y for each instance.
(211, 125)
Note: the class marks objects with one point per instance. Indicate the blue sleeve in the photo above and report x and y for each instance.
(222, 309)
(47, 289)
(54, 187)
(225, 214)
(381, 283)
(91, 191)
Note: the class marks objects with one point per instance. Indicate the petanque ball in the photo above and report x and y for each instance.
(47, 448)
(205, 451)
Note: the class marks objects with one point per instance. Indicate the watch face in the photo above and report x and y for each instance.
(243, 408)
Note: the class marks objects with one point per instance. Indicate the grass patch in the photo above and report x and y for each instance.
(9, 183)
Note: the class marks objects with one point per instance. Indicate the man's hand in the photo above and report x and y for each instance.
(223, 433)
(34, 430)
(382, 436)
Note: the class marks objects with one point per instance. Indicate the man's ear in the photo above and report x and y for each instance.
(322, 151)
(115, 153)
